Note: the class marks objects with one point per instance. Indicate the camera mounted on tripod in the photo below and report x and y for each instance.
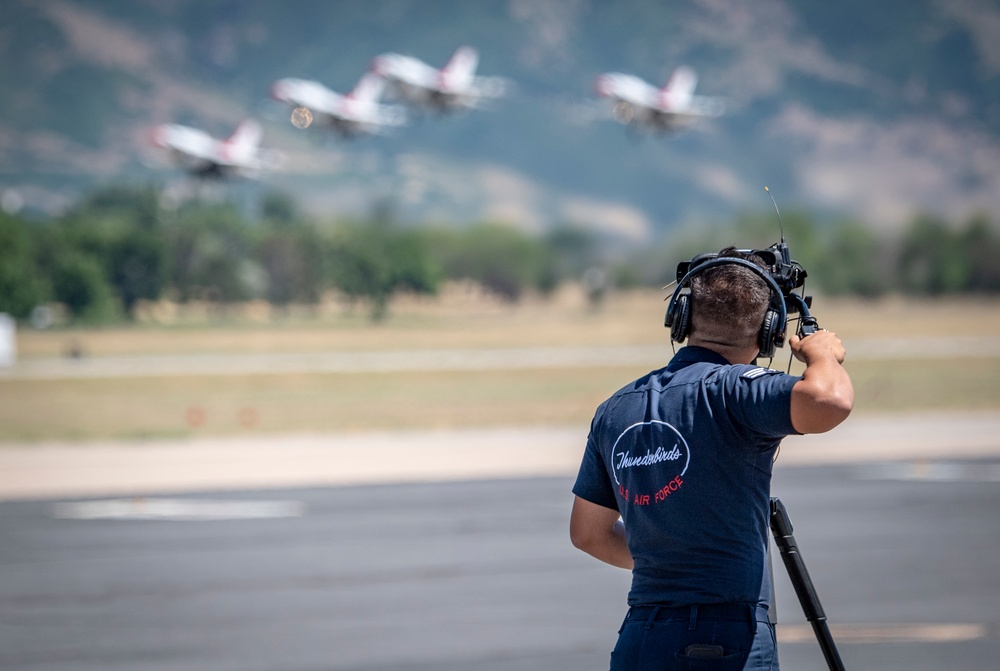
(775, 266)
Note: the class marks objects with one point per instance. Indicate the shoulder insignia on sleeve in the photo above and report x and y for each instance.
(757, 372)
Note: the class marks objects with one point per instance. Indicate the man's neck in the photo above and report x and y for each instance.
(731, 353)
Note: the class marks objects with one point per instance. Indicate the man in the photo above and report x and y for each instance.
(675, 479)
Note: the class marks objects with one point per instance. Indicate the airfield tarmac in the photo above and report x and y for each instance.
(449, 550)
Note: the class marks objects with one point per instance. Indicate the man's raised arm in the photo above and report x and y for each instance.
(824, 397)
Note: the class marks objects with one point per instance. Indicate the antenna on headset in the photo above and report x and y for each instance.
(795, 274)
(785, 255)
(780, 227)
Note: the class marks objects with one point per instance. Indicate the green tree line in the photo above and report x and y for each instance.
(929, 256)
(118, 246)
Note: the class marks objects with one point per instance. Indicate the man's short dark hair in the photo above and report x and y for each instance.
(728, 302)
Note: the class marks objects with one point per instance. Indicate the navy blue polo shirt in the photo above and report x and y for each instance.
(684, 454)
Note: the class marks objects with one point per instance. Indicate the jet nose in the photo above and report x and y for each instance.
(279, 90)
(601, 85)
(157, 137)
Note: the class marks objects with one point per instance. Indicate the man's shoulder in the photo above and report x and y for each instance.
(747, 377)
(754, 372)
(651, 379)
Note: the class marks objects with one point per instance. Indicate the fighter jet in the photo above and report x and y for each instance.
(641, 105)
(359, 112)
(205, 156)
(453, 87)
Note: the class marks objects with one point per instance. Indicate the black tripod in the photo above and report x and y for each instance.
(781, 528)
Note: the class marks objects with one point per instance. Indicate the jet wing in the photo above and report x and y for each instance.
(626, 88)
(194, 149)
(312, 95)
(344, 112)
(407, 70)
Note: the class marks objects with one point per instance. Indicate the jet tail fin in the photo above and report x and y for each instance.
(369, 88)
(244, 141)
(680, 88)
(460, 70)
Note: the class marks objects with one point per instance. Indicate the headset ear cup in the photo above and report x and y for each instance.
(770, 334)
(680, 318)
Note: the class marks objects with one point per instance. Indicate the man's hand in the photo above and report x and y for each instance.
(819, 345)
(824, 397)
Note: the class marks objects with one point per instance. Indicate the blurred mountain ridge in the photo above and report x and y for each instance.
(874, 111)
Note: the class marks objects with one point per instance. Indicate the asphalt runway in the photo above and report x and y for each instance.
(474, 575)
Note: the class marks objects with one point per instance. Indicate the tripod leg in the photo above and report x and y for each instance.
(781, 528)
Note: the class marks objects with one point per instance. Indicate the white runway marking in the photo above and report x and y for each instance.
(142, 508)
(885, 633)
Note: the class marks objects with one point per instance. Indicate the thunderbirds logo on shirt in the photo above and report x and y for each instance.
(648, 462)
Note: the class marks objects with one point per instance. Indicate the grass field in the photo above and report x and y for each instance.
(945, 375)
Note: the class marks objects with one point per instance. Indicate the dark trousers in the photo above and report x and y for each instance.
(716, 637)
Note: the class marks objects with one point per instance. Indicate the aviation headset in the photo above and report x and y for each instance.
(678, 317)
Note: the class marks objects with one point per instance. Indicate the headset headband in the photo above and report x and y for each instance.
(777, 298)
